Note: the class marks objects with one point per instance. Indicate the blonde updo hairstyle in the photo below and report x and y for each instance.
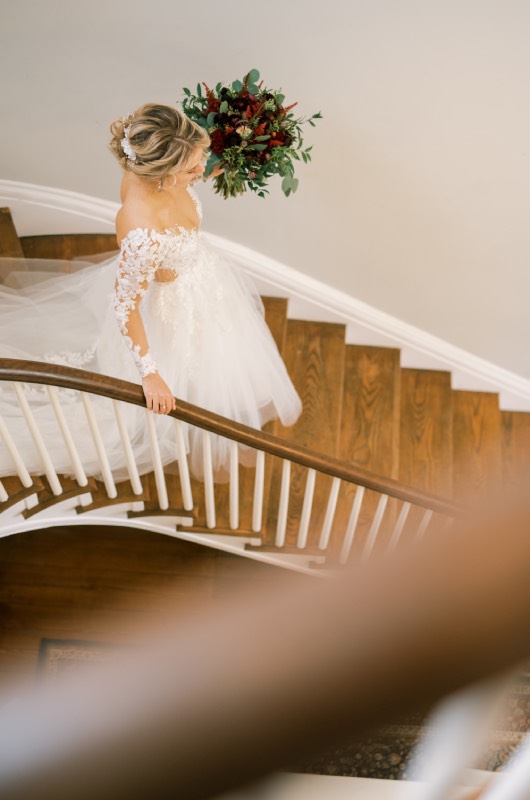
(162, 138)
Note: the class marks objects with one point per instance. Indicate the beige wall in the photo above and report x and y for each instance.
(417, 200)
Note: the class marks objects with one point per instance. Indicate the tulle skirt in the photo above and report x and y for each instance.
(205, 329)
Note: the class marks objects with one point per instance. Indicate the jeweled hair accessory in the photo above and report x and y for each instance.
(126, 145)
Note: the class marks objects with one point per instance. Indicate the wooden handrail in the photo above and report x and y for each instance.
(116, 389)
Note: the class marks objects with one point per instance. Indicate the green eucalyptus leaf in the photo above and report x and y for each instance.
(262, 138)
(211, 116)
(253, 89)
(218, 87)
(253, 76)
(237, 86)
(224, 107)
(280, 98)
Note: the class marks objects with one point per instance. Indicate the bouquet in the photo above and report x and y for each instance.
(253, 135)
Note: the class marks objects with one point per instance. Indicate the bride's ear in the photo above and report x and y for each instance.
(164, 183)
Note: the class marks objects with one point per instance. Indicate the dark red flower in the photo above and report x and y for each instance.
(232, 140)
(213, 102)
(217, 142)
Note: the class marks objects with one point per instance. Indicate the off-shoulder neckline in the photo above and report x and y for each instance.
(174, 230)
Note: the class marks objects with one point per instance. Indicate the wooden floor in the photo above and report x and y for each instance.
(104, 585)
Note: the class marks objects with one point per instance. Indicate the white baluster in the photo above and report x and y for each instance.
(456, 733)
(158, 468)
(47, 464)
(77, 466)
(284, 504)
(400, 524)
(234, 486)
(132, 468)
(184, 473)
(513, 782)
(3, 494)
(209, 494)
(330, 514)
(104, 466)
(18, 461)
(374, 529)
(352, 525)
(259, 480)
(303, 530)
(423, 525)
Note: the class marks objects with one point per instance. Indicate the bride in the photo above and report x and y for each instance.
(168, 312)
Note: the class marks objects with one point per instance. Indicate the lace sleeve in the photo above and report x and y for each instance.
(136, 268)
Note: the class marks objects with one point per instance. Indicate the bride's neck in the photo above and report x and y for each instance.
(134, 185)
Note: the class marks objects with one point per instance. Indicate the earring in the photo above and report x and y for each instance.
(162, 181)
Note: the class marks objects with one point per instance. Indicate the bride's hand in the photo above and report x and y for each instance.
(158, 396)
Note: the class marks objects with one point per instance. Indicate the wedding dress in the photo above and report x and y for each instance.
(207, 338)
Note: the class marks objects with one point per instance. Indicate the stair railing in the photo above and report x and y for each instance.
(325, 507)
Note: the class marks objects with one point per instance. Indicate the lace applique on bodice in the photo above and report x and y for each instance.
(147, 255)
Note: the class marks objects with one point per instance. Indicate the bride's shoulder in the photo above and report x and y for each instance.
(133, 218)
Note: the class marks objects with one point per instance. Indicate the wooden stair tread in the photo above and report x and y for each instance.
(314, 354)
(159, 512)
(10, 245)
(276, 318)
(477, 443)
(426, 452)
(17, 491)
(369, 433)
(515, 429)
(288, 549)
(221, 530)
(68, 245)
(47, 498)
(125, 494)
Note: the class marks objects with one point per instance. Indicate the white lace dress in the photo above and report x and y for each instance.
(206, 333)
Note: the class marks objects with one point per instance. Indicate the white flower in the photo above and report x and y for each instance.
(126, 145)
(244, 131)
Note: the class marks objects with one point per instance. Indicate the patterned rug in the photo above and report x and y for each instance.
(386, 752)
(59, 657)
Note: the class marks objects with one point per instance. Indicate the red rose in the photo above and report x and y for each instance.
(217, 142)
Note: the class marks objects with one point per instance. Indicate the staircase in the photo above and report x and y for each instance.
(418, 450)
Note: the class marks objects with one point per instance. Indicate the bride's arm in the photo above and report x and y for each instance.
(136, 269)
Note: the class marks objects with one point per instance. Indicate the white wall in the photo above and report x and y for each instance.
(417, 199)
